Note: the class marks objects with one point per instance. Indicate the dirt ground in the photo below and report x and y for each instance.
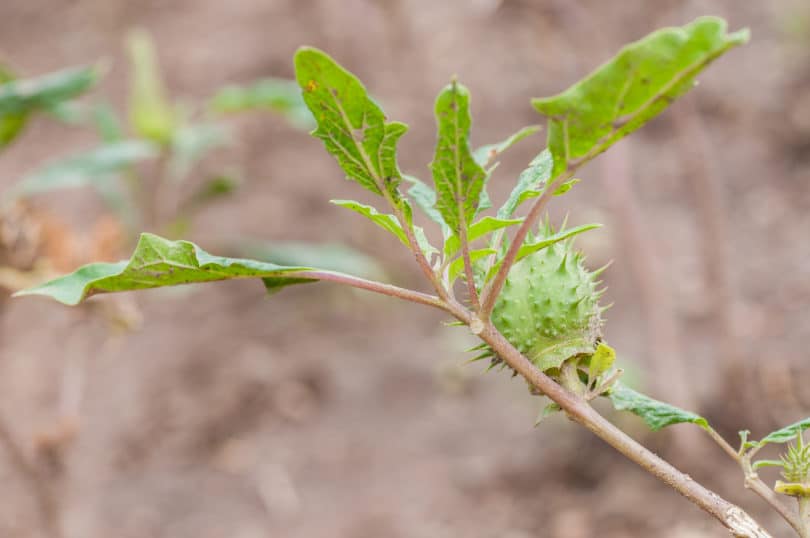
(322, 412)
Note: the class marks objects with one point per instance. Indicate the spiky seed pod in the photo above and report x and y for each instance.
(549, 307)
(796, 463)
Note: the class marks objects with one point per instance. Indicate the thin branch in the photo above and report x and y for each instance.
(421, 260)
(755, 484)
(722, 443)
(377, 287)
(490, 294)
(733, 518)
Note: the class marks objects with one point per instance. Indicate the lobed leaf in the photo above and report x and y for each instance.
(351, 125)
(158, 262)
(21, 98)
(656, 414)
(459, 179)
(630, 89)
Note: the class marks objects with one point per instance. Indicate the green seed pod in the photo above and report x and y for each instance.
(549, 307)
(796, 462)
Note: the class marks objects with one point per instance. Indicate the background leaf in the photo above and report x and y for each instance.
(630, 89)
(350, 124)
(158, 262)
(150, 111)
(459, 179)
(655, 414)
(21, 98)
(88, 168)
(272, 94)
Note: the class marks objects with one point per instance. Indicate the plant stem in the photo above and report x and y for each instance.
(733, 518)
(377, 287)
(416, 250)
(755, 484)
(490, 294)
(468, 269)
(804, 516)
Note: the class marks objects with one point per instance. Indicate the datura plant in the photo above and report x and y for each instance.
(515, 280)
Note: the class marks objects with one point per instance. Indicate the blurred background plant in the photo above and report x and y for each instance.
(146, 168)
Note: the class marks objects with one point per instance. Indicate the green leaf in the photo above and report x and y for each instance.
(767, 463)
(530, 248)
(630, 89)
(788, 433)
(655, 414)
(150, 111)
(328, 256)
(92, 167)
(350, 124)
(486, 155)
(566, 186)
(529, 183)
(21, 98)
(601, 361)
(424, 243)
(547, 411)
(459, 179)
(478, 230)
(456, 267)
(383, 220)
(425, 198)
(272, 94)
(158, 262)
